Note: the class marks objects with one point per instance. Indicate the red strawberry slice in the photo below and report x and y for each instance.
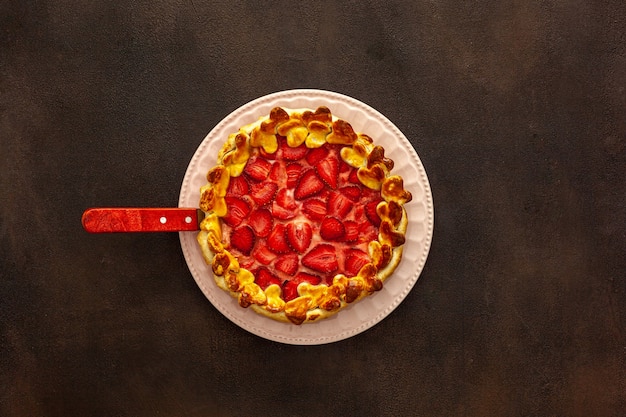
(322, 258)
(306, 277)
(264, 278)
(332, 228)
(238, 209)
(354, 261)
(328, 170)
(263, 192)
(266, 155)
(277, 240)
(290, 287)
(367, 231)
(299, 236)
(263, 255)
(243, 239)
(314, 209)
(237, 186)
(352, 231)
(290, 291)
(353, 192)
(258, 168)
(293, 174)
(278, 172)
(317, 154)
(353, 177)
(370, 213)
(309, 185)
(282, 213)
(371, 195)
(359, 212)
(284, 198)
(261, 221)
(339, 205)
(293, 153)
(343, 166)
(287, 263)
(246, 261)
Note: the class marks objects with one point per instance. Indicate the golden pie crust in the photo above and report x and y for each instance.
(313, 129)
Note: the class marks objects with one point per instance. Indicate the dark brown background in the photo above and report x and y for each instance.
(516, 108)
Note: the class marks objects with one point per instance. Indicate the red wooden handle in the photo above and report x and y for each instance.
(109, 220)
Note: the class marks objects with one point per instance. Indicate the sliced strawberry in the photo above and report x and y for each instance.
(352, 231)
(277, 172)
(287, 263)
(238, 209)
(309, 185)
(332, 228)
(246, 261)
(367, 231)
(354, 261)
(277, 240)
(353, 178)
(264, 278)
(343, 166)
(293, 174)
(290, 291)
(284, 198)
(237, 186)
(258, 168)
(299, 236)
(282, 213)
(353, 192)
(359, 212)
(261, 221)
(306, 277)
(339, 205)
(370, 213)
(263, 255)
(243, 239)
(371, 195)
(314, 209)
(328, 170)
(293, 153)
(322, 258)
(267, 155)
(317, 154)
(263, 192)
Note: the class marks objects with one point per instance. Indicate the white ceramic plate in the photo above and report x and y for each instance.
(365, 313)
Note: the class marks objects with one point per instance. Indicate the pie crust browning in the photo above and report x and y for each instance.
(313, 129)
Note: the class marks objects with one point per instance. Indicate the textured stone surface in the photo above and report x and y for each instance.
(516, 109)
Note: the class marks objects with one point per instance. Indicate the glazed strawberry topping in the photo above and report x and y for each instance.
(238, 186)
(355, 259)
(287, 263)
(243, 239)
(322, 258)
(299, 215)
(328, 170)
(308, 185)
(263, 192)
(258, 168)
(261, 221)
(299, 235)
(332, 229)
(238, 209)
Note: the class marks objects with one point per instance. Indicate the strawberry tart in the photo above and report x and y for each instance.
(303, 215)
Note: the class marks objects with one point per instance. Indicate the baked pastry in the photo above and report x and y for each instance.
(302, 215)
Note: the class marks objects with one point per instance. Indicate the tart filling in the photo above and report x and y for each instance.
(303, 215)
